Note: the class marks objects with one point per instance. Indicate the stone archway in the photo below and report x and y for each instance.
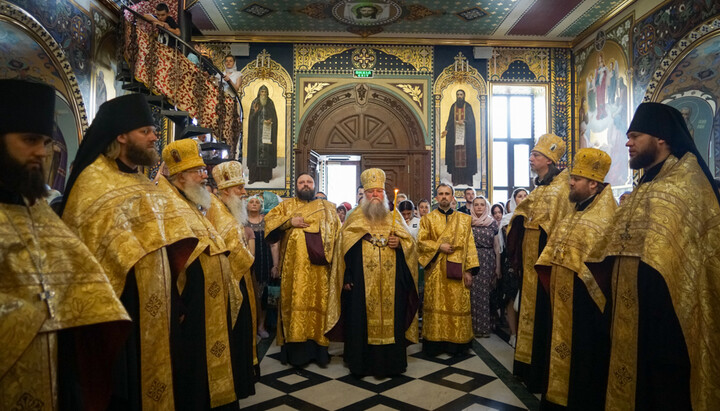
(371, 122)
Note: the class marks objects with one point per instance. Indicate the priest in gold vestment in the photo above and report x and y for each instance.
(580, 326)
(210, 296)
(61, 324)
(663, 252)
(533, 222)
(447, 252)
(140, 237)
(228, 213)
(306, 230)
(373, 285)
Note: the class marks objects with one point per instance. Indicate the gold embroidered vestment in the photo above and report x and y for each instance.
(241, 259)
(128, 223)
(672, 224)
(303, 286)
(40, 254)
(379, 271)
(446, 310)
(542, 209)
(565, 253)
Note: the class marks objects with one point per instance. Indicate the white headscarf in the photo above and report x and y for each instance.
(511, 208)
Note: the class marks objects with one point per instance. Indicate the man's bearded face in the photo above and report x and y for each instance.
(140, 146)
(21, 164)
(263, 97)
(194, 187)
(580, 189)
(238, 207)
(642, 148)
(305, 188)
(460, 95)
(375, 205)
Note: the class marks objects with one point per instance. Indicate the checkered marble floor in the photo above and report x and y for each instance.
(478, 380)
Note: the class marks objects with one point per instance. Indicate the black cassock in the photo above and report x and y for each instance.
(361, 357)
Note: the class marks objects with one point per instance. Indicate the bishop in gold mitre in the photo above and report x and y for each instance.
(228, 214)
(448, 253)
(306, 230)
(532, 223)
(61, 324)
(139, 235)
(662, 250)
(580, 341)
(209, 294)
(373, 286)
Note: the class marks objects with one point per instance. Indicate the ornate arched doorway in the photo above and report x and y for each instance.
(372, 122)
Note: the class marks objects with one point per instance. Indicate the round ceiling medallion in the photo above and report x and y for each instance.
(366, 13)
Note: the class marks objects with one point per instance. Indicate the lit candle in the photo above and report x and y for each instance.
(395, 207)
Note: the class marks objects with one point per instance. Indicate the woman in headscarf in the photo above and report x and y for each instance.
(266, 260)
(510, 280)
(484, 229)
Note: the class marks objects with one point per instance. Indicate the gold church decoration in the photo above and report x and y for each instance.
(420, 57)
(265, 68)
(537, 60)
(307, 55)
(414, 91)
(312, 88)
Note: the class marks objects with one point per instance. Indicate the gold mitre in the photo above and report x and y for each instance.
(551, 146)
(182, 155)
(373, 178)
(592, 164)
(228, 174)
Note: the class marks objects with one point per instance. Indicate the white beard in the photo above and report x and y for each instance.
(238, 208)
(263, 100)
(375, 211)
(198, 195)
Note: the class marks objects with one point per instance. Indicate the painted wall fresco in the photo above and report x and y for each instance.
(461, 125)
(22, 57)
(603, 98)
(691, 83)
(266, 95)
(655, 34)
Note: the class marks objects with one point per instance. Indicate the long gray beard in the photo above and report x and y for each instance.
(238, 208)
(263, 100)
(374, 211)
(198, 195)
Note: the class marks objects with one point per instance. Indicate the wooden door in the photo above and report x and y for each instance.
(380, 128)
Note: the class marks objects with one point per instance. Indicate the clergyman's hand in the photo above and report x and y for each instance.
(393, 241)
(467, 279)
(274, 273)
(347, 287)
(447, 248)
(299, 222)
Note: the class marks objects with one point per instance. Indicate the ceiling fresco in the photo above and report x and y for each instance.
(444, 20)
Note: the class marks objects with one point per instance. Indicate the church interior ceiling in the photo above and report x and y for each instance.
(439, 20)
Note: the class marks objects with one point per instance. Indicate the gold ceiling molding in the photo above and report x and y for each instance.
(306, 55)
(425, 41)
(538, 60)
(421, 58)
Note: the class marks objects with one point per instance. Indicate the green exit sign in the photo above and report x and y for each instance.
(363, 73)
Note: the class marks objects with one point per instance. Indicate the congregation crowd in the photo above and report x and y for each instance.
(154, 294)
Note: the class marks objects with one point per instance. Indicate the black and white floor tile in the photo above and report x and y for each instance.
(479, 380)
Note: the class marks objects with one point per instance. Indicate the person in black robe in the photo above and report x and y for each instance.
(373, 349)
(461, 156)
(262, 137)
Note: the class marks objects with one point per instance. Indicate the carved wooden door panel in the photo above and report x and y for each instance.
(380, 128)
